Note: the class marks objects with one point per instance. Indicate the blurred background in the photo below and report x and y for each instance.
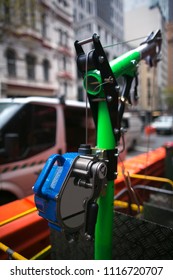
(37, 56)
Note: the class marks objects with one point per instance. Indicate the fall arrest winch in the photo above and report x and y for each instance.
(67, 188)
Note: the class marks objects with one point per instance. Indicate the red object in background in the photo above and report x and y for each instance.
(149, 130)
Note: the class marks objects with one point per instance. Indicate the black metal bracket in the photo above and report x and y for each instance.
(97, 59)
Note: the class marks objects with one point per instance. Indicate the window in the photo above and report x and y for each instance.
(63, 37)
(23, 11)
(64, 63)
(30, 64)
(81, 3)
(81, 16)
(30, 130)
(7, 15)
(65, 86)
(149, 91)
(60, 36)
(43, 25)
(89, 7)
(80, 94)
(88, 27)
(64, 2)
(46, 70)
(75, 126)
(11, 62)
(32, 13)
(75, 15)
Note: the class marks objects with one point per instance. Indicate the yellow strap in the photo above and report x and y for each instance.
(11, 253)
(18, 216)
(124, 204)
(152, 178)
(41, 253)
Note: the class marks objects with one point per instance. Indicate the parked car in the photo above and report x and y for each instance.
(163, 125)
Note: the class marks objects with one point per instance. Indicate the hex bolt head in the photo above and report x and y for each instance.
(117, 88)
(101, 59)
(109, 98)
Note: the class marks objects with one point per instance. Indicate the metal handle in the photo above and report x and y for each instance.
(85, 41)
(46, 170)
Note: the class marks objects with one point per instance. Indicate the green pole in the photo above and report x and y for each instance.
(104, 225)
(106, 140)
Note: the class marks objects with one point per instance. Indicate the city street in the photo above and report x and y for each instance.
(149, 143)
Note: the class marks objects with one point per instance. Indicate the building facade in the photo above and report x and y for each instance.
(169, 29)
(140, 21)
(105, 18)
(36, 48)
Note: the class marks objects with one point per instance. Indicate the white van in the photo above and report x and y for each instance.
(31, 129)
(133, 124)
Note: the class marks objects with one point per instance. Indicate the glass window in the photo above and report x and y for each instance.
(60, 36)
(31, 130)
(46, 70)
(32, 13)
(80, 94)
(75, 124)
(64, 63)
(11, 62)
(30, 64)
(81, 3)
(23, 11)
(43, 25)
(63, 37)
(89, 7)
(81, 16)
(7, 15)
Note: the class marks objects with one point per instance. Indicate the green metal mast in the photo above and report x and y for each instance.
(104, 225)
(106, 140)
(101, 84)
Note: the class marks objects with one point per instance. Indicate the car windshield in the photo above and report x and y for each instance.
(7, 110)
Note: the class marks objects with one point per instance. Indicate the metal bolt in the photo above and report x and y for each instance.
(97, 37)
(88, 237)
(133, 62)
(101, 59)
(116, 131)
(102, 171)
(117, 88)
(109, 98)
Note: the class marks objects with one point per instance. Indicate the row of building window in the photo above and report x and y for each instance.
(29, 15)
(89, 5)
(30, 65)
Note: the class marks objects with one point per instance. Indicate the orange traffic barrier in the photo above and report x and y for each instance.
(26, 233)
(16, 208)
